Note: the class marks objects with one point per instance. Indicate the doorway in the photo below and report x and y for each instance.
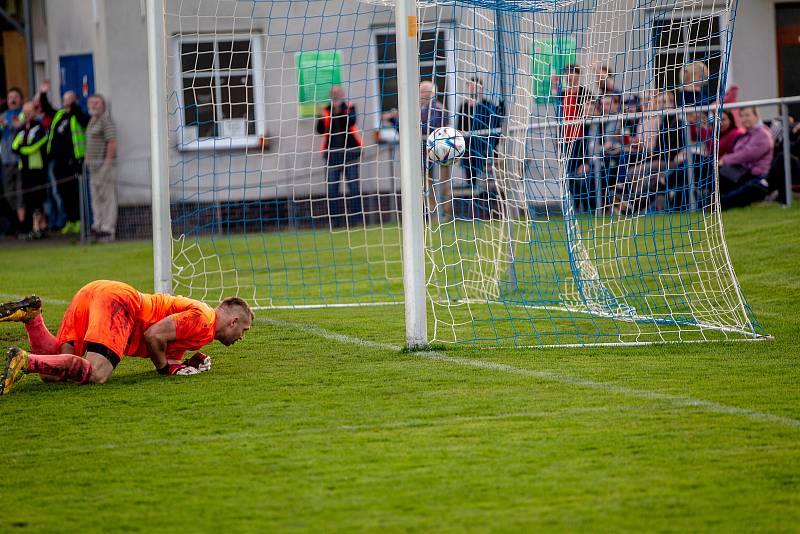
(788, 45)
(77, 74)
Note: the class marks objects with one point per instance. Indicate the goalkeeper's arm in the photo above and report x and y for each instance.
(157, 337)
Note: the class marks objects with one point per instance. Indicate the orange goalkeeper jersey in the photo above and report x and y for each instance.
(195, 324)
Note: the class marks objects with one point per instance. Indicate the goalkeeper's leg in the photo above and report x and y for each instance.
(21, 311)
(95, 368)
(55, 367)
(29, 312)
(41, 339)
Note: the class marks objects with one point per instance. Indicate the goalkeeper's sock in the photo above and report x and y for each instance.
(40, 338)
(61, 367)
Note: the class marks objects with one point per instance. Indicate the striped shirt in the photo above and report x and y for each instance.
(99, 132)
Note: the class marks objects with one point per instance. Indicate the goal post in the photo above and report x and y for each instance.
(406, 39)
(159, 147)
(288, 147)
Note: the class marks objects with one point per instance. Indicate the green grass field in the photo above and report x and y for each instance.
(317, 421)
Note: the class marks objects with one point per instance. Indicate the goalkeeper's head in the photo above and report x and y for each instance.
(234, 318)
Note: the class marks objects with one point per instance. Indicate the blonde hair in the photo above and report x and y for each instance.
(694, 72)
(237, 302)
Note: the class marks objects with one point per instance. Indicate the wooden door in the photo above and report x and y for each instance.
(788, 46)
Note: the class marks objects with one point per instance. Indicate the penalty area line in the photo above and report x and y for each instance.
(673, 400)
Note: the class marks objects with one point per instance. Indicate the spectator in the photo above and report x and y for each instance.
(743, 171)
(650, 157)
(695, 160)
(777, 172)
(66, 147)
(586, 164)
(54, 208)
(29, 145)
(42, 106)
(695, 88)
(613, 135)
(729, 133)
(630, 123)
(571, 97)
(341, 148)
(433, 116)
(604, 80)
(596, 159)
(478, 114)
(12, 181)
(101, 149)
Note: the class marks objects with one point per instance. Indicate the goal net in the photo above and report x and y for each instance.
(585, 210)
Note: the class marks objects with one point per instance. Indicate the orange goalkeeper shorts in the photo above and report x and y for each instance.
(102, 312)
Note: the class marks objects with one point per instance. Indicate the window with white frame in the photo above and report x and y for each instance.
(434, 56)
(220, 86)
(680, 40)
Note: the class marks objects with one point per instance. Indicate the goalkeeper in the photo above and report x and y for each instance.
(108, 319)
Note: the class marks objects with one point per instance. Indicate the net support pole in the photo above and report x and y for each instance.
(159, 168)
(410, 173)
(787, 155)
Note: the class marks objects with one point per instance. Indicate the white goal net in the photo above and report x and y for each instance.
(584, 211)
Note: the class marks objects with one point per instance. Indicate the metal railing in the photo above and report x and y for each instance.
(782, 103)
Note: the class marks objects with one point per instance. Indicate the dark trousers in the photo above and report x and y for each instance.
(34, 193)
(739, 188)
(69, 187)
(345, 162)
(8, 217)
(54, 205)
(582, 190)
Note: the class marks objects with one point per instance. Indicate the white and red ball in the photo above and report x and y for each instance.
(444, 146)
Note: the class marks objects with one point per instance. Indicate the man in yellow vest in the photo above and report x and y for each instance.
(66, 147)
(341, 148)
(29, 145)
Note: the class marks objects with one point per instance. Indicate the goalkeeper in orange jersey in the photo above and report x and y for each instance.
(107, 320)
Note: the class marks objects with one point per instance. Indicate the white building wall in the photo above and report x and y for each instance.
(76, 27)
(126, 89)
(754, 63)
(114, 32)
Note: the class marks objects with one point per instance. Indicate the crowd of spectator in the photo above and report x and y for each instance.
(44, 153)
(630, 153)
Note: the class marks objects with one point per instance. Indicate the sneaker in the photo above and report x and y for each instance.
(16, 367)
(21, 311)
(71, 228)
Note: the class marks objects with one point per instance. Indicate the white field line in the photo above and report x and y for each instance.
(327, 430)
(673, 400)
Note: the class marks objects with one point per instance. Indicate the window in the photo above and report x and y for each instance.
(220, 88)
(678, 41)
(434, 55)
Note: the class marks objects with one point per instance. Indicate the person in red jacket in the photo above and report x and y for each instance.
(341, 148)
(729, 133)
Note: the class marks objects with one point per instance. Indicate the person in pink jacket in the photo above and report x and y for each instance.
(743, 171)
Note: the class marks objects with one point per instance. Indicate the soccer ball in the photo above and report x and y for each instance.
(444, 146)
